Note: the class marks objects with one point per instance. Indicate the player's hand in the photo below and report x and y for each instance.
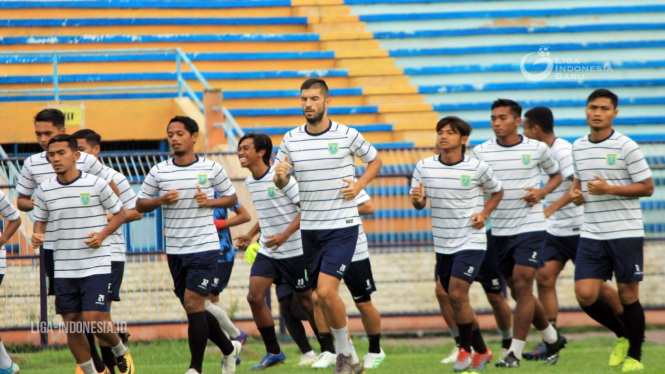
(351, 191)
(418, 193)
(37, 240)
(598, 187)
(548, 211)
(533, 196)
(242, 242)
(478, 220)
(275, 241)
(577, 196)
(95, 241)
(200, 197)
(283, 168)
(171, 197)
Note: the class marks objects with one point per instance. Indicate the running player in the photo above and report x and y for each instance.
(611, 175)
(518, 223)
(564, 221)
(185, 184)
(321, 153)
(13, 218)
(453, 182)
(73, 208)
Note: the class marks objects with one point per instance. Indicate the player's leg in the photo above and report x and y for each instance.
(117, 273)
(77, 342)
(291, 313)
(449, 318)
(221, 280)
(6, 364)
(327, 358)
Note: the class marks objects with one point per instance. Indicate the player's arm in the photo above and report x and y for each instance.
(243, 241)
(24, 203)
(275, 241)
(132, 215)
(282, 173)
(38, 234)
(144, 205)
(478, 219)
(40, 218)
(576, 195)
(564, 200)
(220, 202)
(366, 208)
(97, 238)
(601, 187)
(241, 216)
(534, 195)
(10, 230)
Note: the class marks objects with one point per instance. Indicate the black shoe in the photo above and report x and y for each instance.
(509, 362)
(124, 336)
(554, 349)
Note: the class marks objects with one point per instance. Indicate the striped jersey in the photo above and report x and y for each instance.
(9, 213)
(362, 250)
(71, 212)
(128, 200)
(189, 228)
(619, 160)
(518, 167)
(320, 162)
(275, 209)
(567, 221)
(455, 193)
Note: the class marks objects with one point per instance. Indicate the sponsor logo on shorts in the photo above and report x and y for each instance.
(637, 270)
(534, 257)
(215, 281)
(469, 272)
(100, 300)
(495, 282)
(357, 297)
(611, 159)
(342, 269)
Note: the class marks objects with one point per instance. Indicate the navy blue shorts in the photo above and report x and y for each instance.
(222, 276)
(359, 280)
(328, 251)
(597, 259)
(193, 271)
(489, 275)
(76, 295)
(291, 271)
(560, 248)
(49, 267)
(463, 265)
(117, 272)
(283, 290)
(522, 249)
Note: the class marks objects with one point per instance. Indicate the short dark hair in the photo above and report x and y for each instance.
(190, 125)
(459, 125)
(262, 142)
(64, 138)
(541, 116)
(316, 83)
(53, 115)
(515, 108)
(604, 92)
(90, 136)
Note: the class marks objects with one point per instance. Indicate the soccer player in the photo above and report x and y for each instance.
(453, 182)
(564, 221)
(611, 175)
(13, 218)
(321, 153)
(73, 207)
(280, 256)
(360, 283)
(518, 223)
(185, 184)
(90, 142)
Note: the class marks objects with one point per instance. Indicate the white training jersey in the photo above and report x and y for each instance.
(9, 213)
(320, 162)
(362, 250)
(455, 194)
(567, 221)
(128, 199)
(189, 228)
(518, 167)
(275, 209)
(619, 160)
(71, 212)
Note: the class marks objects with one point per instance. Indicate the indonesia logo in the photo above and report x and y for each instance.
(465, 180)
(85, 198)
(544, 54)
(333, 148)
(202, 179)
(611, 159)
(271, 192)
(526, 160)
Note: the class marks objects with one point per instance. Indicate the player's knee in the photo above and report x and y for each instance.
(496, 299)
(255, 298)
(326, 295)
(522, 286)
(457, 298)
(305, 302)
(585, 296)
(440, 293)
(627, 295)
(545, 281)
(365, 307)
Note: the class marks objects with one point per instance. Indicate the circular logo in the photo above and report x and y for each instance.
(544, 54)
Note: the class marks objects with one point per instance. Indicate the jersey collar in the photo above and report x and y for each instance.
(322, 132)
(600, 141)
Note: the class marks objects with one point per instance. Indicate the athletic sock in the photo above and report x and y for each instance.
(342, 340)
(454, 331)
(517, 346)
(374, 343)
(552, 322)
(478, 342)
(119, 349)
(88, 367)
(506, 338)
(549, 335)
(99, 364)
(633, 318)
(217, 336)
(109, 358)
(326, 342)
(224, 321)
(602, 313)
(270, 339)
(197, 332)
(465, 335)
(5, 360)
(354, 355)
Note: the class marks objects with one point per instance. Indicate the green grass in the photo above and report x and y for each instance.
(406, 356)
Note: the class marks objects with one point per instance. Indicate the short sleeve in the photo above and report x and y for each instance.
(362, 197)
(636, 165)
(127, 195)
(94, 167)
(26, 182)
(291, 190)
(283, 151)
(7, 210)
(221, 182)
(576, 173)
(219, 213)
(547, 161)
(40, 212)
(417, 177)
(488, 179)
(150, 186)
(360, 147)
(564, 157)
(108, 198)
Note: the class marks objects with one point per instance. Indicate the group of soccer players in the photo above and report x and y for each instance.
(310, 237)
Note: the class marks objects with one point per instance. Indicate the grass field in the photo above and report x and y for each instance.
(403, 356)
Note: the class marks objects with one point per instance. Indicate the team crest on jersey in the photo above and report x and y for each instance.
(85, 198)
(202, 179)
(465, 180)
(611, 159)
(271, 192)
(526, 160)
(333, 148)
